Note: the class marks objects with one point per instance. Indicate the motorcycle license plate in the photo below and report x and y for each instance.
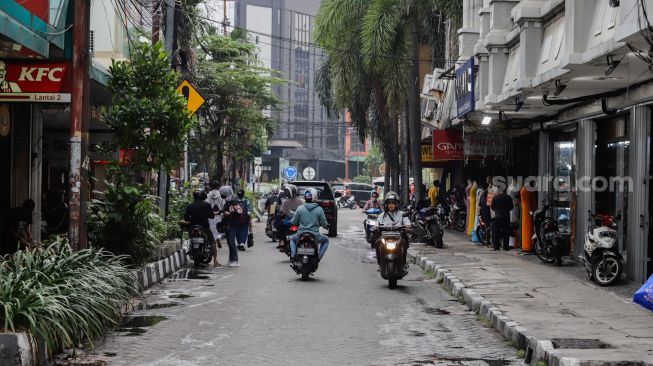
(306, 251)
(198, 240)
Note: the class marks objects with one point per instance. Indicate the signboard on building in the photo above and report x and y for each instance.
(465, 88)
(488, 145)
(45, 82)
(447, 145)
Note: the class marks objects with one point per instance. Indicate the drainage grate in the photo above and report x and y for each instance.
(578, 343)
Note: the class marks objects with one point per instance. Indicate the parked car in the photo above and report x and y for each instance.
(326, 199)
(361, 192)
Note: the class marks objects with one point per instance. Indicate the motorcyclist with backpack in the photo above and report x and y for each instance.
(310, 217)
(237, 212)
(215, 200)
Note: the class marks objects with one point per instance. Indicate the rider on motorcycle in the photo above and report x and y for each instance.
(198, 213)
(373, 202)
(392, 216)
(291, 203)
(310, 217)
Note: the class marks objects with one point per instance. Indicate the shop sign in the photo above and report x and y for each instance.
(488, 145)
(447, 145)
(465, 88)
(44, 82)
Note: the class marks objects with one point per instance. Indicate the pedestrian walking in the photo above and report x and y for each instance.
(502, 205)
(237, 211)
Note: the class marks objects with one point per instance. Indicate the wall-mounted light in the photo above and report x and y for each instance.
(612, 64)
(486, 120)
(614, 3)
(518, 104)
(559, 87)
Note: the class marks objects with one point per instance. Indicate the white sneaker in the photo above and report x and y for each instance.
(234, 264)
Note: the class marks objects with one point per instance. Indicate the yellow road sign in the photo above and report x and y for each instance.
(193, 98)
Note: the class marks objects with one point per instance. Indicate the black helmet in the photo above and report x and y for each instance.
(291, 190)
(391, 197)
(199, 195)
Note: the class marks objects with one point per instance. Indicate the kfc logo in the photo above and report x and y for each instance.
(5, 85)
(30, 81)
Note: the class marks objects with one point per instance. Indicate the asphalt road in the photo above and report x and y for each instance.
(262, 314)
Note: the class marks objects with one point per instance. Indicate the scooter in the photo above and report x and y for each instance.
(392, 246)
(306, 260)
(459, 216)
(483, 232)
(547, 237)
(601, 257)
(200, 250)
(270, 228)
(370, 223)
(350, 202)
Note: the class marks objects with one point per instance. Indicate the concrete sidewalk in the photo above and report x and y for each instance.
(559, 318)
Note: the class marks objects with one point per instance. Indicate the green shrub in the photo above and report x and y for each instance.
(64, 296)
(126, 222)
(178, 200)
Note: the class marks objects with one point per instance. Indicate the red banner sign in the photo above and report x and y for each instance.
(46, 82)
(448, 145)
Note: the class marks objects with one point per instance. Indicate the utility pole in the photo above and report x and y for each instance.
(79, 108)
(405, 165)
(224, 17)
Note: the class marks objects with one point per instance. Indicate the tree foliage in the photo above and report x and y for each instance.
(238, 92)
(148, 116)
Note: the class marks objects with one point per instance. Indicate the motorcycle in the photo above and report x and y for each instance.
(392, 244)
(270, 228)
(200, 250)
(443, 215)
(547, 237)
(426, 223)
(458, 216)
(349, 203)
(601, 257)
(483, 232)
(370, 223)
(306, 260)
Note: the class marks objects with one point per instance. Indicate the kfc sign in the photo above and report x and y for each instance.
(47, 82)
(448, 145)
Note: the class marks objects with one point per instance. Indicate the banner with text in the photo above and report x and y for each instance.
(44, 82)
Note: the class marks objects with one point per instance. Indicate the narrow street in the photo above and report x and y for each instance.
(263, 314)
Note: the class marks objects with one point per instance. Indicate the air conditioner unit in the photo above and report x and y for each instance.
(429, 107)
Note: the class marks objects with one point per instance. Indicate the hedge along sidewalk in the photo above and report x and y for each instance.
(539, 308)
(16, 348)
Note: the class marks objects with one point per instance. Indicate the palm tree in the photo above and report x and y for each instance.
(373, 64)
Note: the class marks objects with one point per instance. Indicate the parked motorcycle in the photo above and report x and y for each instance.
(427, 226)
(306, 260)
(370, 224)
(601, 257)
(547, 237)
(200, 250)
(349, 202)
(443, 214)
(483, 232)
(393, 243)
(459, 216)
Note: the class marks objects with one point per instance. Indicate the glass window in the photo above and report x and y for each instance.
(563, 176)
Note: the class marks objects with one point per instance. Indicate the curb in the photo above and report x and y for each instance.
(155, 272)
(17, 348)
(537, 349)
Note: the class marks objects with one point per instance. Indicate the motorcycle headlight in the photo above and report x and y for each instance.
(390, 245)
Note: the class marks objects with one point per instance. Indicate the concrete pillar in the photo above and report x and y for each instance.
(543, 164)
(530, 41)
(36, 169)
(585, 152)
(638, 197)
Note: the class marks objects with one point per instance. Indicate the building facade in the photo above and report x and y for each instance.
(307, 135)
(574, 77)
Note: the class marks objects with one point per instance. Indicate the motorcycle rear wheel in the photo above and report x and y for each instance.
(461, 223)
(436, 235)
(306, 272)
(541, 252)
(607, 269)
